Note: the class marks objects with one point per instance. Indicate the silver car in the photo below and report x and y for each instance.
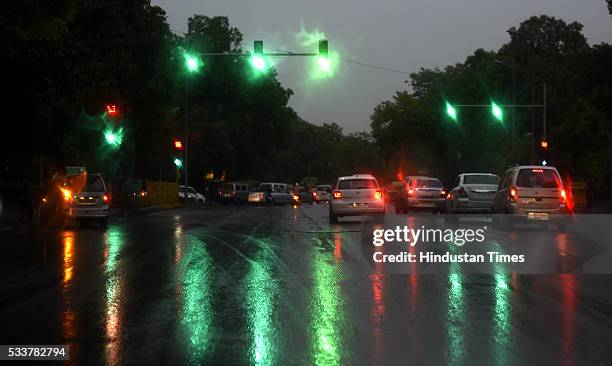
(531, 193)
(87, 197)
(472, 193)
(356, 195)
(421, 193)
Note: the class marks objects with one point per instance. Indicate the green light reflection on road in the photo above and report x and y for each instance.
(455, 316)
(501, 292)
(196, 316)
(262, 290)
(113, 244)
(327, 311)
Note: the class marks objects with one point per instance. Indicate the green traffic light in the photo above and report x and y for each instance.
(178, 162)
(451, 111)
(113, 138)
(497, 112)
(259, 63)
(192, 62)
(324, 63)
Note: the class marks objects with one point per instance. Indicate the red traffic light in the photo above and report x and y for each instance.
(544, 144)
(178, 144)
(111, 110)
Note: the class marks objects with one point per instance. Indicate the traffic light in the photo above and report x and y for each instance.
(258, 60)
(111, 110)
(323, 58)
(178, 144)
(113, 137)
(497, 112)
(451, 111)
(544, 144)
(178, 162)
(192, 62)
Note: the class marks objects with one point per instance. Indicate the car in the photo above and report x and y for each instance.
(356, 195)
(472, 193)
(529, 193)
(87, 198)
(421, 193)
(322, 193)
(234, 192)
(279, 194)
(190, 195)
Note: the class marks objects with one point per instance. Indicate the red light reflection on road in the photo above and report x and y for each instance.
(378, 309)
(338, 247)
(568, 291)
(68, 315)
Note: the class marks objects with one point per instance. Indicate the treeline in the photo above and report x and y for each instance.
(67, 60)
(415, 133)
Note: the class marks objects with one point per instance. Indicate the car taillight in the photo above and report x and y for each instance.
(512, 194)
(337, 195)
(105, 198)
(563, 195)
(378, 194)
(410, 192)
(314, 194)
(461, 192)
(295, 197)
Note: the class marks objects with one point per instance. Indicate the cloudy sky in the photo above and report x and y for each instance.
(402, 35)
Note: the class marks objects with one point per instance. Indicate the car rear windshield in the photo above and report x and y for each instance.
(481, 179)
(357, 184)
(324, 188)
(227, 187)
(537, 178)
(429, 183)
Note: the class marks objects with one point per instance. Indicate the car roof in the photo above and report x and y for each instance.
(420, 177)
(478, 174)
(357, 176)
(532, 167)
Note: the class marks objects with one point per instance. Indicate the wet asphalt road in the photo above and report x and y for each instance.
(279, 285)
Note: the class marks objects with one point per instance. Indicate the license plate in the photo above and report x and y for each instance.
(537, 216)
(359, 204)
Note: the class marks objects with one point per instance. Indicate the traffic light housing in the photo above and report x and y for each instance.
(258, 60)
(258, 47)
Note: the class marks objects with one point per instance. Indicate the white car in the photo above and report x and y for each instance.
(189, 194)
(280, 194)
(356, 195)
(322, 193)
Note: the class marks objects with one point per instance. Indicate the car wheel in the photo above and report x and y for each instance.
(201, 202)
